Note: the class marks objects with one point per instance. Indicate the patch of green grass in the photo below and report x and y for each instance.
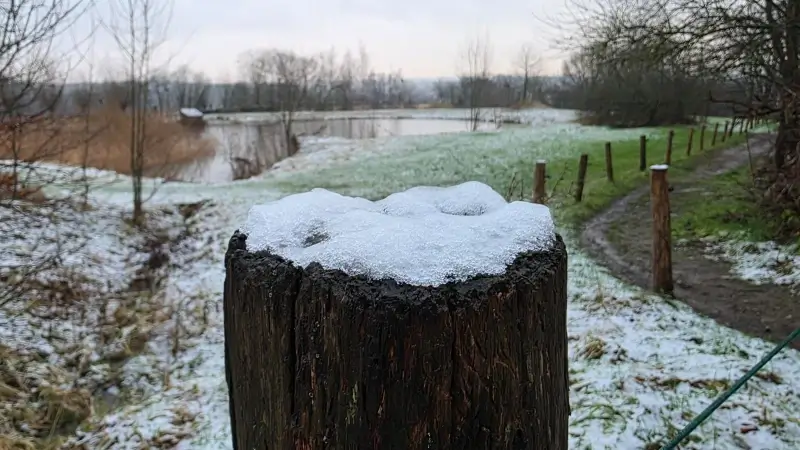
(599, 192)
(725, 205)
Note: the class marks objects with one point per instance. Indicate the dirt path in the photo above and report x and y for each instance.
(620, 238)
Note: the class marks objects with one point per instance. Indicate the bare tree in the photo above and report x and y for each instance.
(476, 61)
(744, 54)
(31, 87)
(255, 65)
(750, 44)
(293, 75)
(139, 27)
(346, 81)
(190, 88)
(527, 63)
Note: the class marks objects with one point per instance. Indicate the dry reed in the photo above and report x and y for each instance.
(102, 140)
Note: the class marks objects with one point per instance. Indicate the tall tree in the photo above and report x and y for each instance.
(476, 61)
(32, 80)
(526, 62)
(293, 76)
(139, 27)
(752, 44)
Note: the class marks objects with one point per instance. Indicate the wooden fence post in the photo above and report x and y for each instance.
(741, 126)
(662, 231)
(668, 155)
(539, 175)
(702, 138)
(609, 163)
(725, 132)
(714, 137)
(384, 366)
(581, 177)
(689, 144)
(642, 152)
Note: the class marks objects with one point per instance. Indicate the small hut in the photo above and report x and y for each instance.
(192, 117)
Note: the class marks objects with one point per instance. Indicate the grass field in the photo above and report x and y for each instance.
(727, 205)
(640, 367)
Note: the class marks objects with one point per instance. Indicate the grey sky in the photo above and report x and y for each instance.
(422, 37)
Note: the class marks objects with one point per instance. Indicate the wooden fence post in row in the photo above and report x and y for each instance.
(539, 175)
(581, 177)
(642, 153)
(609, 163)
(662, 231)
(689, 144)
(702, 138)
(714, 137)
(725, 132)
(668, 155)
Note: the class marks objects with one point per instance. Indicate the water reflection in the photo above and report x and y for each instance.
(246, 149)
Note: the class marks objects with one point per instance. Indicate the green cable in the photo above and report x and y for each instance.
(732, 390)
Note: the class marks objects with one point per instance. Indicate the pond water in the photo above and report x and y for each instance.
(254, 147)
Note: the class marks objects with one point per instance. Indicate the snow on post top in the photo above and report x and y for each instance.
(659, 167)
(424, 236)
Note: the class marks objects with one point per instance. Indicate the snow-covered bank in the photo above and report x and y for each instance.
(640, 367)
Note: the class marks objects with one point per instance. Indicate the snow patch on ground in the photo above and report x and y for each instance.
(759, 262)
(423, 236)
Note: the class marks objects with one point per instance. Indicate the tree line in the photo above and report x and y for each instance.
(272, 80)
(654, 62)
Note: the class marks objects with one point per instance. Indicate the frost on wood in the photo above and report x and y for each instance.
(422, 236)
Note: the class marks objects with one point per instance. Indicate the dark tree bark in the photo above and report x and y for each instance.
(319, 359)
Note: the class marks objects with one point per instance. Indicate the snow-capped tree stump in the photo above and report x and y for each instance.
(432, 319)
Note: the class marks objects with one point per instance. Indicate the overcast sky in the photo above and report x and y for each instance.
(422, 37)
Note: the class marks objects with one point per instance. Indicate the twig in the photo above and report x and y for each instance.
(560, 178)
(750, 157)
(510, 190)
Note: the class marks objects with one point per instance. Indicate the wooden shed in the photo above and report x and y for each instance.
(192, 117)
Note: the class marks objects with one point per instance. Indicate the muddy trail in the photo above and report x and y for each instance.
(620, 238)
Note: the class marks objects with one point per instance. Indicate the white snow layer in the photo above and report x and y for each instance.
(422, 236)
(191, 112)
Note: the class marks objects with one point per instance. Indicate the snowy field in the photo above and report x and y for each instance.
(640, 367)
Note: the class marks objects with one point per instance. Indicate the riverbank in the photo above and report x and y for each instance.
(639, 366)
(101, 140)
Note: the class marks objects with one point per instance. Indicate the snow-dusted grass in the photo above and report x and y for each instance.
(640, 367)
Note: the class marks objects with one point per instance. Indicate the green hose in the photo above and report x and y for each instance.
(727, 394)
